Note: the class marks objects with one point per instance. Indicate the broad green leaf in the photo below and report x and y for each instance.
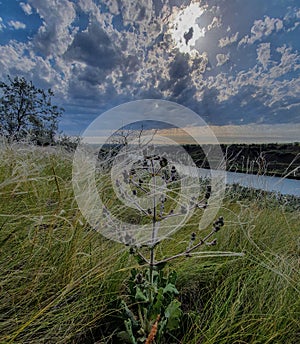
(170, 288)
(129, 314)
(173, 314)
(139, 295)
(157, 305)
(128, 326)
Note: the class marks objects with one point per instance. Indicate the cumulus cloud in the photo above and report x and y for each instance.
(136, 12)
(17, 59)
(17, 25)
(223, 42)
(2, 25)
(216, 22)
(56, 32)
(292, 19)
(274, 87)
(262, 28)
(124, 51)
(87, 5)
(264, 54)
(222, 58)
(12, 58)
(26, 8)
(289, 62)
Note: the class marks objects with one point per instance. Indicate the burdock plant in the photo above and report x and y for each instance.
(151, 309)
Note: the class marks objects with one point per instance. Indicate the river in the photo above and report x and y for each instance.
(284, 186)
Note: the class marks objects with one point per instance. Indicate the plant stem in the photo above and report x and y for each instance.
(143, 257)
(186, 252)
(141, 316)
(153, 238)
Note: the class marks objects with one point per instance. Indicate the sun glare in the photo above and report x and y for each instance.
(184, 28)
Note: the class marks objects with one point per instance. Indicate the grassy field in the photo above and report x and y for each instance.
(61, 280)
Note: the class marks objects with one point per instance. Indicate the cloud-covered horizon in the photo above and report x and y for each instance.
(232, 62)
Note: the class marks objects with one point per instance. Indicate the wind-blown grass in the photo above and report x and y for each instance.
(60, 280)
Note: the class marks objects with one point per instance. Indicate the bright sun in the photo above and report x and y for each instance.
(184, 28)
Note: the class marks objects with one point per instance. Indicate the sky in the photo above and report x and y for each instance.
(236, 63)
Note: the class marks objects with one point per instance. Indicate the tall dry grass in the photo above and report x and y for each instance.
(60, 280)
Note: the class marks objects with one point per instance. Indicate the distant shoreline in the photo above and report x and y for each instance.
(271, 159)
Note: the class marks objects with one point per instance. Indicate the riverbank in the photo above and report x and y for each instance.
(272, 159)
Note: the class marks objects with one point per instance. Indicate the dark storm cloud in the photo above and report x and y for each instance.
(93, 47)
(179, 87)
(179, 68)
(92, 75)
